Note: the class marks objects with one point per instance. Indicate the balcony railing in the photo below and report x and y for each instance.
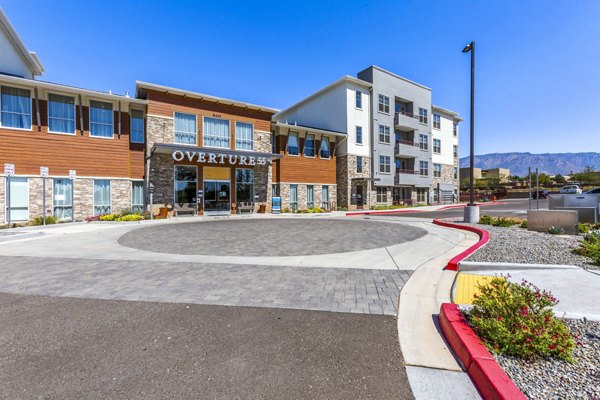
(407, 171)
(404, 114)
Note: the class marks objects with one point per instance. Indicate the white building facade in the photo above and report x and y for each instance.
(445, 154)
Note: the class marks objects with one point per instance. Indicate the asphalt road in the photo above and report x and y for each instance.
(65, 348)
(516, 208)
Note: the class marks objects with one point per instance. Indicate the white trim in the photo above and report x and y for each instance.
(30, 58)
(196, 133)
(30, 105)
(159, 116)
(7, 206)
(94, 196)
(204, 132)
(395, 76)
(287, 143)
(235, 135)
(48, 93)
(131, 192)
(112, 119)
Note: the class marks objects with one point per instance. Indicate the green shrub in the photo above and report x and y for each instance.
(50, 219)
(518, 320)
(584, 228)
(524, 224)
(486, 220)
(590, 246)
(505, 222)
(130, 217)
(286, 210)
(556, 230)
(108, 217)
(127, 212)
(342, 209)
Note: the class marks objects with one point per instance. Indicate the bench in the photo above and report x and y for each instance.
(185, 209)
(245, 206)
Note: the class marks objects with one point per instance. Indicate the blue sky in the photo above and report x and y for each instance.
(537, 86)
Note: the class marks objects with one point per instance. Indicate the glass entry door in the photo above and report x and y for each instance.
(217, 197)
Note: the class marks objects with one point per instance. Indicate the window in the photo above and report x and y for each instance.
(421, 195)
(455, 172)
(101, 196)
(422, 115)
(101, 119)
(384, 134)
(423, 142)
(275, 190)
(244, 185)
(437, 121)
(137, 196)
(455, 151)
(381, 194)
(437, 170)
(294, 198)
(324, 147)
(384, 104)
(309, 146)
(244, 136)
(310, 196)
(455, 129)
(185, 128)
(424, 168)
(437, 146)
(358, 101)
(137, 126)
(185, 184)
(325, 197)
(61, 114)
(19, 199)
(62, 199)
(384, 164)
(15, 106)
(359, 164)
(359, 135)
(292, 145)
(216, 132)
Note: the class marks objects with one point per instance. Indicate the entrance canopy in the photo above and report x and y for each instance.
(213, 155)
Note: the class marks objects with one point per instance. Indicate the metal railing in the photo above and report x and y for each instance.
(404, 114)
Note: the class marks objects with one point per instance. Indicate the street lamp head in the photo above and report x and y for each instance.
(468, 48)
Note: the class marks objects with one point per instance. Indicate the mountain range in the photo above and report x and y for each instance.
(550, 163)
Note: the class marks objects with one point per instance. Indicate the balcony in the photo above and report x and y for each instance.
(406, 148)
(410, 177)
(406, 119)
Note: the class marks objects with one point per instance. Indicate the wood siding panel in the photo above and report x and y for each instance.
(300, 169)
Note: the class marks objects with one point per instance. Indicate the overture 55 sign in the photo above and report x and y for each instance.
(217, 158)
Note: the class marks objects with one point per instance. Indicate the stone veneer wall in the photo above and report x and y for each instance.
(373, 198)
(346, 186)
(284, 192)
(447, 177)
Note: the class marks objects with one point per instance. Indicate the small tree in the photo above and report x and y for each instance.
(559, 179)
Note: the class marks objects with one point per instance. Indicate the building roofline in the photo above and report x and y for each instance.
(201, 96)
(345, 78)
(70, 89)
(30, 58)
(395, 76)
(446, 111)
(309, 128)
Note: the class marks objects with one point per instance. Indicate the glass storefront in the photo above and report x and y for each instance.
(185, 184)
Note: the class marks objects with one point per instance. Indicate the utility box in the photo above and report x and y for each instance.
(542, 220)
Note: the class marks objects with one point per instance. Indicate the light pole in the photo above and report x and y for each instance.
(472, 211)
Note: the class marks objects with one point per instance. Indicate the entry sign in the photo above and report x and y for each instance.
(72, 174)
(44, 172)
(9, 169)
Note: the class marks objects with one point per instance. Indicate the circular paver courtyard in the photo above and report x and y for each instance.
(270, 237)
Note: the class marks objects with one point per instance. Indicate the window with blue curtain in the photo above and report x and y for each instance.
(137, 126)
(137, 196)
(216, 132)
(293, 148)
(324, 148)
(309, 145)
(62, 192)
(101, 196)
(101, 119)
(185, 128)
(15, 108)
(61, 113)
(244, 136)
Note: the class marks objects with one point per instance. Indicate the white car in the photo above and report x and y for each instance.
(570, 189)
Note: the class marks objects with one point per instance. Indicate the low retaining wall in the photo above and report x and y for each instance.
(541, 220)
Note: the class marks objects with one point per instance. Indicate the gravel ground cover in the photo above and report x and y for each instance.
(518, 245)
(557, 379)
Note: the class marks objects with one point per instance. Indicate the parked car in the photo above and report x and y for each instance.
(542, 194)
(593, 191)
(570, 189)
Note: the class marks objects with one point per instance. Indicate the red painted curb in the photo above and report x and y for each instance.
(489, 378)
(383, 212)
(484, 237)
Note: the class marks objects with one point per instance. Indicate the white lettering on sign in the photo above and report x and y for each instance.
(44, 172)
(215, 158)
(72, 174)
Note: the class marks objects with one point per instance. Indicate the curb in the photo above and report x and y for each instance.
(379, 212)
(489, 378)
(484, 237)
(473, 266)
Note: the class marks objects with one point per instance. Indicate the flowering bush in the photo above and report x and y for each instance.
(556, 230)
(130, 217)
(518, 320)
(590, 247)
(117, 217)
(108, 217)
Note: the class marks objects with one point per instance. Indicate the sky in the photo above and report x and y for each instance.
(537, 62)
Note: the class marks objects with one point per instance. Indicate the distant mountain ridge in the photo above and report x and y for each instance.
(550, 163)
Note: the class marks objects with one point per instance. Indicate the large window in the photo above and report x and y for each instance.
(19, 199)
(381, 194)
(137, 196)
(358, 101)
(359, 135)
(384, 134)
(244, 185)
(61, 114)
(15, 106)
(437, 121)
(310, 196)
(424, 168)
(437, 146)
(62, 199)
(423, 115)
(101, 196)
(422, 195)
(293, 147)
(244, 136)
(384, 164)
(137, 126)
(101, 119)
(185, 128)
(359, 164)
(185, 184)
(437, 170)
(423, 142)
(324, 147)
(216, 132)
(309, 146)
(294, 198)
(325, 197)
(383, 104)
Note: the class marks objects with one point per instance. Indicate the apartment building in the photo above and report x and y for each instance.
(445, 154)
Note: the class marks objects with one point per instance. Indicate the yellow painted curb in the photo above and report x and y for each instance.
(466, 287)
